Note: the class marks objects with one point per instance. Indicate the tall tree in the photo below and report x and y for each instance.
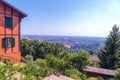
(26, 47)
(109, 54)
(35, 44)
(80, 60)
(58, 48)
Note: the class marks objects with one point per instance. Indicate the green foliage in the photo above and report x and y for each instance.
(35, 44)
(64, 55)
(55, 62)
(69, 64)
(26, 48)
(29, 69)
(29, 58)
(45, 71)
(45, 48)
(75, 74)
(109, 54)
(96, 78)
(92, 78)
(80, 60)
(40, 49)
(33, 69)
(29, 78)
(117, 77)
(41, 63)
(36, 70)
(2, 65)
(118, 69)
(54, 58)
(58, 48)
(6, 70)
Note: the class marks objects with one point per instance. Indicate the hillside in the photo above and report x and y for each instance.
(74, 43)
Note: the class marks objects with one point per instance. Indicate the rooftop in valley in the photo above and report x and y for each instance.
(100, 71)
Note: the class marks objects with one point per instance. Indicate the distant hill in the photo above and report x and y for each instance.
(74, 43)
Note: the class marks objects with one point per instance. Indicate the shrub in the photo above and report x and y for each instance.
(41, 62)
(118, 69)
(92, 78)
(29, 58)
(17, 66)
(117, 77)
(80, 60)
(43, 72)
(55, 62)
(75, 74)
(2, 65)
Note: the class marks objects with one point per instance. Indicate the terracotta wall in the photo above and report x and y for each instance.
(10, 32)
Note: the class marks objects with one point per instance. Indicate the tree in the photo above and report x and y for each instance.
(58, 48)
(26, 47)
(35, 44)
(117, 77)
(55, 62)
(45, 48)
(109, 54)
(80, 60)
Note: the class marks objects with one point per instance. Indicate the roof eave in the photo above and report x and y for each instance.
(14, 8)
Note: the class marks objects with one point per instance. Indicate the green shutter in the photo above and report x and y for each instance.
(8, 22)
(13, 42)
(4, 43)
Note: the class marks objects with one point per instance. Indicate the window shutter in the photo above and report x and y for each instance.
(13, 42)
(4, 43)
(8, 22)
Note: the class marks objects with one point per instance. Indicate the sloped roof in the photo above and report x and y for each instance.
(54, 77)
(14, 8)
(100, 71)
(94, 58)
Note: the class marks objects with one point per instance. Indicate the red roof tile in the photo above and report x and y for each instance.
(14, 8)
(100, 71)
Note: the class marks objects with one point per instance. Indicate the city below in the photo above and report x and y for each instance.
(73, 43)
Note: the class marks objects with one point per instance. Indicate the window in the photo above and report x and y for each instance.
(8, 42)
(8, 22)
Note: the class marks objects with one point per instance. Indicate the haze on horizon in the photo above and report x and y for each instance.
(69, 17)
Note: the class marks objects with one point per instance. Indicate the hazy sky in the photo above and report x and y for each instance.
(69, 17)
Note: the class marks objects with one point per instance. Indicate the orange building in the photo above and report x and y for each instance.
(10, 18)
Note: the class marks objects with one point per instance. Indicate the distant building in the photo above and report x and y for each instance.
(94, 59)
(67, 45)
(10, 18)
(99, 72)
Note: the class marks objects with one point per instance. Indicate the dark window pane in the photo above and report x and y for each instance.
(8, 22)
(8, 42)
(13, 42)
(4, 43)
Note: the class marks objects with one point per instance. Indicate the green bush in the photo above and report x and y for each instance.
(92, 78)
(43, 72)
(80, 60)
(118, 69)
(41, 62)
(2, 65)
(117, 77)
(55, 62)
(29, 78)
(29, 58)
(75, 74)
